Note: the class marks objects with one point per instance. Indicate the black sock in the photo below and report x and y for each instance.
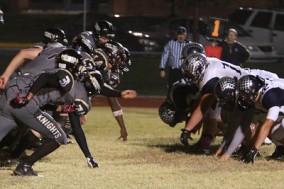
(46, 148)
(27, 141)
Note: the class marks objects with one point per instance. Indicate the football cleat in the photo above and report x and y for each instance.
(24, 169)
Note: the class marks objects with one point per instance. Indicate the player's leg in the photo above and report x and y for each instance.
(118, 114)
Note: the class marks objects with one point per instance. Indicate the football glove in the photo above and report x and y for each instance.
(91, 162)
(250, 155)
(68, 108)
(19, 102)
(184, 137)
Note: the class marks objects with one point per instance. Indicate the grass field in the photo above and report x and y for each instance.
(152, 158)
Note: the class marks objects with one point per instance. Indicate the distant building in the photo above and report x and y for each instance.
(140, 7)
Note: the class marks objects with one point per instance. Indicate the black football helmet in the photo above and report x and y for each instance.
(80, 43)
(92, 83)
(249, 88)
(101, 60)
(118, 55)
(192, 48)
(71, 60)
(167, 113)
(103, 28)
(52, 35)
(123, 60)
(225, 91)
(194, 66)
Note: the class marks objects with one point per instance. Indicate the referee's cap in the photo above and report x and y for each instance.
(181, 30)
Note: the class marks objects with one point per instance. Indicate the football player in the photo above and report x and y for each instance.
(268, 94)
(206, 72)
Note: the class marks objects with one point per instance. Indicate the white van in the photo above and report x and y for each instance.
(263, 24)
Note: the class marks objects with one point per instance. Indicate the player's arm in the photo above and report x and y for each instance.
(263, 132)
(118, 114)
(203, 105)
(108, 91)
(44, 80)
(81, 139)
(205, 101)
(17, 61)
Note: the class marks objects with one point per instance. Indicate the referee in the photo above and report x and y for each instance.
(172, 57)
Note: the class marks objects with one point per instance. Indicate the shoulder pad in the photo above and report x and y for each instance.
(65, 79)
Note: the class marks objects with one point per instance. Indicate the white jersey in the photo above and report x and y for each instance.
(263, 73)
(272, 98)
(216, 70)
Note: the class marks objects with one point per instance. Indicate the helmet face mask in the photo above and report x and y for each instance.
(101, 60)
(103, 28)
(53, 35)
(194, 66)
(119, 56)
(225, 91)
(91, 84)
(245, 100)
(167, 114)
(82, 44)
(71, 60)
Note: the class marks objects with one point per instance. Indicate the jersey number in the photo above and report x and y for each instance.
(215, 32)
(233, 68)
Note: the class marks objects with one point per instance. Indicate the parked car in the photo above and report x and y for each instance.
(260, 50)
(263, 24)
(142, 27)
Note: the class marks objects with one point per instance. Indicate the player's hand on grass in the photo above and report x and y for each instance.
(185, 135)
(123, 135)
(250, 157)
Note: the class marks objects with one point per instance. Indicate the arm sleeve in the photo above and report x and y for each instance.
(236, 141)
(79, 134)
(106, 90)
(44, 80)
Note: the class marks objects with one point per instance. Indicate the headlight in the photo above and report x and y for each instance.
(147, 42)
(252, 48)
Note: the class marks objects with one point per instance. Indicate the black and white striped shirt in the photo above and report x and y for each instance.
(172, 54)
